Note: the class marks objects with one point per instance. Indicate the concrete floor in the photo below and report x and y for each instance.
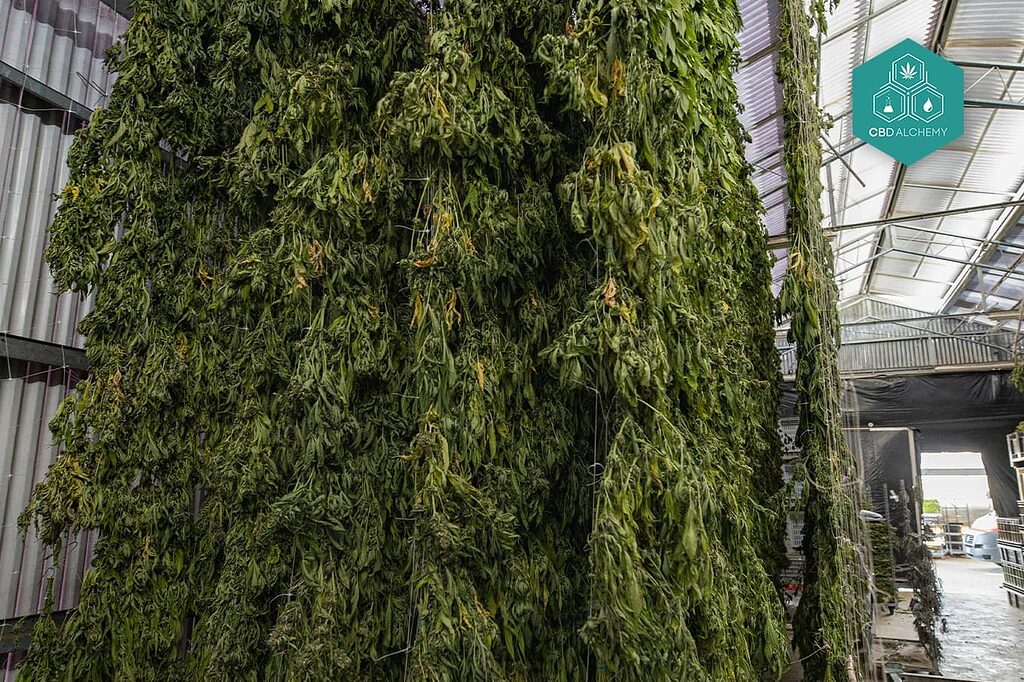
(984, 638)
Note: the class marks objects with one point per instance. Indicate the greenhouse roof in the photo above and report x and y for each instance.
(950, 260)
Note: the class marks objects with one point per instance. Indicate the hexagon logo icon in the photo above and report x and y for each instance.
(907, 72)
(908, 102)
(889, 104)
(926, 104)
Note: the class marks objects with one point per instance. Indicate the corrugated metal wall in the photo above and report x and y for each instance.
(28, 401)
(60, 43)
(33, 146)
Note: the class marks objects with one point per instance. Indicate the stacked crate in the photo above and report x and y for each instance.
(1011, 539)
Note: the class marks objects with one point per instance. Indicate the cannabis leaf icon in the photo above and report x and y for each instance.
(908, 71)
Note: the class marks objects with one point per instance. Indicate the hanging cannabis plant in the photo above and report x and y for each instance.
(883, 566)
(671, 343)
(919, 570)
(829, 616)
(431, 343)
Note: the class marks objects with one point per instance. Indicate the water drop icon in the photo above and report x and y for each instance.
(928, 106)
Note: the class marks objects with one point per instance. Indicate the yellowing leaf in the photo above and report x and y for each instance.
(610, 290)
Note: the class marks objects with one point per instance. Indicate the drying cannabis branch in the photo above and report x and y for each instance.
(822, 626)
(673, 337)
(443, 351)
(920, 573)
(882, 562)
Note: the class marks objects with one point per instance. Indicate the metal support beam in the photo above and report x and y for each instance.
(978, 240)
(836, 157)
(763, 121)
(953, 472)
(778, 152)
(954, 188)
(868, 260)
(994, 104)
(918, 371)
(839, 156)
(989, 65)
(932, 214)
(932, 332)
(42, 352)
(43, 91)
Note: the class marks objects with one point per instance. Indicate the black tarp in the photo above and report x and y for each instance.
(892, 462)
(955, 412)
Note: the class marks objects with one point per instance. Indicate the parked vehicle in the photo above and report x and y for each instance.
(981, 540)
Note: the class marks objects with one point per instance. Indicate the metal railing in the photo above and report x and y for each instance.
(924, 351)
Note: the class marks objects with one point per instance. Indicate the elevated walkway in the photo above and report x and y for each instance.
(886, 339)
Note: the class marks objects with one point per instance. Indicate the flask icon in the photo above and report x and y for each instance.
(887, 109)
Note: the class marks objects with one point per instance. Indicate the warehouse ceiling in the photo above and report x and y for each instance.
(956, 262)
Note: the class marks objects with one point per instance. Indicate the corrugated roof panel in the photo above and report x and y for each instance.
(1006, 258)
(766, 140)
(976, 122)
(984, 162)
(997, 164)
(756, 82)
(779, 267)
(980, 219)
(987, 22)
(775, 219)
(913, 19)
(761, 97)
(856, 36)
(988, 31)
(852, 274)
(862, 203)
(993, 289)
(840, 56)
(933, 270)
(917, 297)
(920, 200)
(849, 15)
(942, 167)
(760, 26)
